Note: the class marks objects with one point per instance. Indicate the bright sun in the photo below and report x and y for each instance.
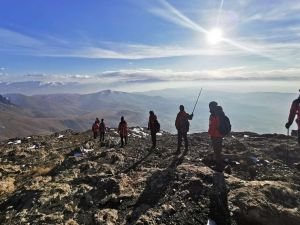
(214, 36)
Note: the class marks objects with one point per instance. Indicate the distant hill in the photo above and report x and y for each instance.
(18, 122)
(258, 112)
(73, 111)
(4, 100)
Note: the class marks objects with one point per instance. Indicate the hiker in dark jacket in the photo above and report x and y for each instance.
(152, 126)
(123, 131)
(295, 110)
(102, 130)
(95, 128)
(216, 137)
(182, 125)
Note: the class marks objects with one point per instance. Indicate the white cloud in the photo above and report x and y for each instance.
(80, 76)
(277, 11)
(23, 45)
(161, 75)
(12, 38)
(230, 73)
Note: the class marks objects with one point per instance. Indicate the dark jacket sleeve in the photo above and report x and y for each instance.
(293, 111)
(177, 125)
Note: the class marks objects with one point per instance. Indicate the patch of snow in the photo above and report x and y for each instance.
(32, 147)
(60, 136)
(135, 135)
(246, 136)
(85, 150)
(28, 137)
(254, 159)
(139, 132)
(16, 142)
(10, 143)
(159, 134)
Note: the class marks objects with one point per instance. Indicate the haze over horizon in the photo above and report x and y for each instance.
(243, 45)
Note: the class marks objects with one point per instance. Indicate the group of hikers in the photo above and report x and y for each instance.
(99, 128)
(219, 126)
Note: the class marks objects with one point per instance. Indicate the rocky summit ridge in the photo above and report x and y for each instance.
(70, 178)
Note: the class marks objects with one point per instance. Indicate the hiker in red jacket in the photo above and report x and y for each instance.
(295, 110)
(102, 130)
(182, 125)
(215, 135)
(123, 131)
(153, 127)
(95, 128)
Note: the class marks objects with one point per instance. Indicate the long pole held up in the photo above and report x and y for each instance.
(197, 101)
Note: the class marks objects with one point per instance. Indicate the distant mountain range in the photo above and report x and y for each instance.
(55, 112)
(23, 115)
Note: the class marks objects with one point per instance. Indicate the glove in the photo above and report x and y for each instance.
(192, 115)
(287, 125)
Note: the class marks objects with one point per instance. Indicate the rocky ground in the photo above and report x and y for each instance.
(70, 178)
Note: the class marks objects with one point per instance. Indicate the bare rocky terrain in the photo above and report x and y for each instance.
(70, 178)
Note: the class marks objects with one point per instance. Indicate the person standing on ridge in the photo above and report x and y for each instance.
(295, 110)
(123, 131)
(102, 129)
(182, 125)
(95, 128)
(153, 126)
(219, 126)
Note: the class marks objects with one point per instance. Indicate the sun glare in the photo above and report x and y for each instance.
(214, 36)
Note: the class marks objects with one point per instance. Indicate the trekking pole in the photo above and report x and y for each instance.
(197, 101)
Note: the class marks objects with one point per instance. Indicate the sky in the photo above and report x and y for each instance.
(150, 44)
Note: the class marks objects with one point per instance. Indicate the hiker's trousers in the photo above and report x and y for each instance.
(183, 135)
(153, 138)
(217, 147)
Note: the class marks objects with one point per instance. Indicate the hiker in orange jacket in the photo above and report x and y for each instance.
(152, 126)
(214, 133)
(182, 125)
(123, 131)
(295, 110)
(95, 128)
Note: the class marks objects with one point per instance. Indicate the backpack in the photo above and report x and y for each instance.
(225, 126)
(156, 126)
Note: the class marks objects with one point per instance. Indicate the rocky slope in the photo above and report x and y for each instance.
(70, 178)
